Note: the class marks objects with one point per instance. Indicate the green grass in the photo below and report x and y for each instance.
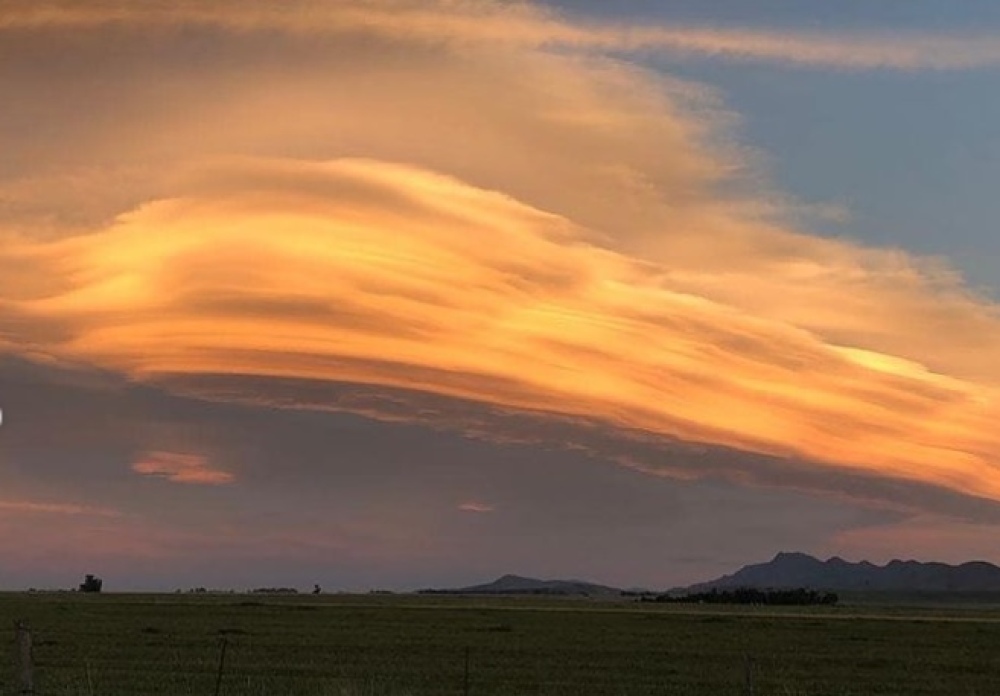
(112, 645)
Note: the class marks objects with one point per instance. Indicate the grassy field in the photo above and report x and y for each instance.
(337, 645)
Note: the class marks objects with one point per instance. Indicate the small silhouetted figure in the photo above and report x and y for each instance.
(91, 583)
(317, 589)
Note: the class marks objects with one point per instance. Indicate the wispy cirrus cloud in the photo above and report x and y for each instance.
(523, 24)
(179, 467)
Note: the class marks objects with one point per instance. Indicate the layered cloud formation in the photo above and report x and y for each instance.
(364, 272)
(431, 200)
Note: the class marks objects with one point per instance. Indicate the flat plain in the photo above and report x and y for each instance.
(341, 645)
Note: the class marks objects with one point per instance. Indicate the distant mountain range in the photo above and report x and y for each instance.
(784, 571)
(517, 585)
(792, 570)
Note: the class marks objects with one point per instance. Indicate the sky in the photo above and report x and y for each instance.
(396, 294)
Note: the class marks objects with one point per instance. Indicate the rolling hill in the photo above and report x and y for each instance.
(517, 585)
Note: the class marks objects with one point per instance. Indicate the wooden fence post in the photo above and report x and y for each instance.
(222, 666)
(465, 675)
(25, 657)
(748, 667)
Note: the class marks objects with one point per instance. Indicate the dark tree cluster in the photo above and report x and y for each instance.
(274, 590)
(91, 583)
(750, 595)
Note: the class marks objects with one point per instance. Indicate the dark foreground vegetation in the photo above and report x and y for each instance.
(328, 645)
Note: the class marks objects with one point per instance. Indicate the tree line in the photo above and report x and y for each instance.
(749, 595)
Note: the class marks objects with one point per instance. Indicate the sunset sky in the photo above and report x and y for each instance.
(387, 293)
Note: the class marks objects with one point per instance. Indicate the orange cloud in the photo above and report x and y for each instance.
(388, 275)
(181, 468)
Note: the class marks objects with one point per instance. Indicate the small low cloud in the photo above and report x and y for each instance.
(181, 468)
(50, 508)
(476, 507)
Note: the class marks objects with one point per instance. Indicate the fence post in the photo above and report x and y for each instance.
(465, 681)
(25, 657)
(748, 671)
(222, 666)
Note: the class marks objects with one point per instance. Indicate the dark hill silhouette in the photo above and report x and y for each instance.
(793, 570)
(517, 585)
